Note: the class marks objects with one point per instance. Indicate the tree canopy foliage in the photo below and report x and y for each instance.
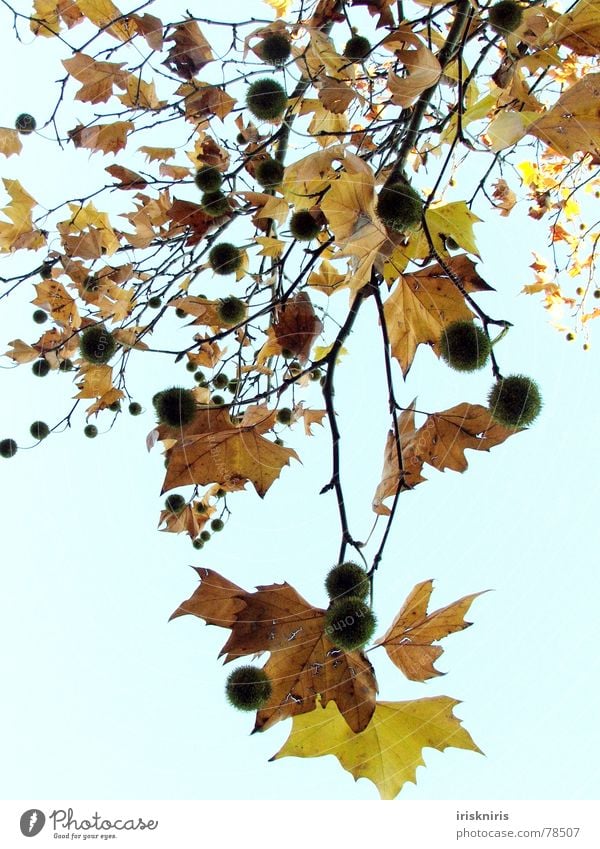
(260, 182)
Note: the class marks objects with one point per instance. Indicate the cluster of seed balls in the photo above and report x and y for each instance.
(349, 625)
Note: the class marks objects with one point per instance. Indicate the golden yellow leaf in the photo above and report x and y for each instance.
(281, 7)
(89, 219)
(109, 138)
(270, 246)
(578, 29)
(408, 641)
(423, 69)
(53, 297)
(96, 382)
(157, 153)
(47, 15)
(97, 78)
(21, 352)
(325, 126)
(349, 197)
(389, 750)
(140, 95)
(10, 141)
(572, 125)
(104, 12)
(321, 351)
(20, 233)
(104, 402)
(327, 279)
(455, 220)
(392, 477)
(306, 179)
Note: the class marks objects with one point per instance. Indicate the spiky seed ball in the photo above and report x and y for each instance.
(180, 313)
(200, 378)
(135, 409)
(225, 258)
(505, 16)
(217, 525)
(269, 173)
(154, 302)
(175, 406)
(231, 310)
(284, 416)
(205, 536)
(464, 346)
(39, 430)
(40, 368)
(217, 400)
(215, 204)
(399, 206)
(357, 48)
(25, 123)
(65, 365)
(233, 386)
(248, 688)
(303, 225)
(91, 431)
(349, 623)
(208, 178)
(315, 374)
(8, 448)
(174, 503)
(97, 344)
(347, 579)
(220, 381)
(266, 99)
(275, 48)
(197, 543)
(39, 316)
(515, 401)
(115, 406)
(190, 366)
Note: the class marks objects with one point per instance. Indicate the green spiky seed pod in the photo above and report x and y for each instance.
(506, 16)
(215, 204)
(464, 346)
(208, 179)
(275, 48)
(266, 99)
(515, 401)
(349, 623)
(303, 226)
(115, 406)
(39, 316)
(233, 386)
(175, 406)
(315, 374)
(217, 400)
(200, 378)
(65, 365)
(174, 503)
(91, 431)
(347, 579)
(135, 409)
(231, 310)
(217, 525)
(97, 345)
(225, 258)
(154, 302)
(198, 544)
(220, 381)
(190, 366)
(284, 416)
(248, 688)
(39, 430)
(269, 173)
(357, 48)
(400, 207)
(40, 368)
(25, 123)
(8, 448)
(205, 536)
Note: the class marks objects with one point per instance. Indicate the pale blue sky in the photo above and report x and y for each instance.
(105, 699)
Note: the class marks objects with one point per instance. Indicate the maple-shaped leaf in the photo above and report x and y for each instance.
(212, 449)
(108, 18)
(422, 67)
(327, 279)
(191, 51)
(127, 179)
(389, 750)
(96, 381)
(190, 520)
(10, 141)
(185, 213)
(295, 327)
(97, 78)
(109, 138)
(453, 220)
(157, 153)
(53, 297)
(21, 352)
(408, 641)
(47, 15)
(392, 476)
(303, 662)
(425, 302)
(578, 29)
(572, 125)
(19, 232)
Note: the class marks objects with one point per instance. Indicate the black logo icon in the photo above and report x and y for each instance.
(32, 822)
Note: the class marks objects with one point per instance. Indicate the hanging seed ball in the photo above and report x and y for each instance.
(198, 544)
(205, 536)
(8, 448)
(464, 346)
(269, 173)
(284, 416)
(25, 123)
(506, 16)
(349, 623)
(174, 503)
(217, 400)
(303, 225)
(400, 207)
(231, 310)
(225, 258)
(40, 368)
(215, 204)
(39, 430)
(275, 48)
(357, 48)
(515, 401)
(266, 99)
(135, 409)
(217, 525)
(248, 688)
(65, 365)
(154, 302)
(97, 344)
(208, 179)
(220, 381)
(175, 406)
(91, 431)
(39, 316)
(347, 579)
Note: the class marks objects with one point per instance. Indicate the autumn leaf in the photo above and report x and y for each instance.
(389, 750)
(578, 29)
(53, 297)
(127, 179)
(191, 520)
(10, 142)
(21, 352)
(109, 138)
(96, 381)
(47, 15)
(327, 279)
(97, 78)
(392, 476)
(454, 220)
(191, 51)
(572, 125)
(425, 302)
(423, 69)
(105, 14)
(303, 663)
(214, 450)
(295, 327)
(19, 232)
(408, 641)
(157, 153)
